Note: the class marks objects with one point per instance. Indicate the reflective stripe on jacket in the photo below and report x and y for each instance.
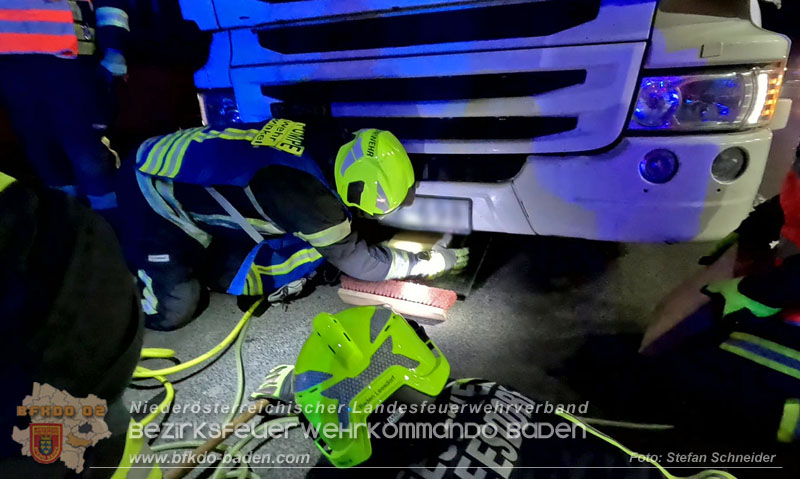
(209, 157)
(37, 26)
(773, 354)
(273, 264)
(789, 429)
(770, 354)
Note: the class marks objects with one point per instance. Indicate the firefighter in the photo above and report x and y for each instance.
(255, 211)
(751, 350)
(63, 279)
(730, 368)
(57, 58)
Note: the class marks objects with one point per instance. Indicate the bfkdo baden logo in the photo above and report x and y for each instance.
(61, 426)
(46, 442)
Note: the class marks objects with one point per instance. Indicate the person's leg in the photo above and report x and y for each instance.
(160, 255)
(170, 296)
(74, 123)
(27, 100)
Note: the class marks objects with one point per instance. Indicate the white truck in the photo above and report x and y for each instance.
(623, 120)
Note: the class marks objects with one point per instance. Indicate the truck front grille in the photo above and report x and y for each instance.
(466, 168)
(424, 88)
(448, 77)
(473, 128)
(456, 23)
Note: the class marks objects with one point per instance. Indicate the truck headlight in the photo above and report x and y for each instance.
(708, 101)
(218, 107)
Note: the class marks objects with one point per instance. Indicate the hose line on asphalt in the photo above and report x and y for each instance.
(238, 334)
(163, 407)
(625, 424)
(290, 422)
(237, 402)
(161, 353)
(708, 474)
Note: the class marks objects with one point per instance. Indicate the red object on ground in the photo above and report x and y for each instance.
(403, 297)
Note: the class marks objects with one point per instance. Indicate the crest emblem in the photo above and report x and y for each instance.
(46, 442)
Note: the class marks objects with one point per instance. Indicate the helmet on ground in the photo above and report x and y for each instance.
(353, 362)
(373, 172)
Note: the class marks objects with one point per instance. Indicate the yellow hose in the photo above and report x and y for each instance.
(164, 406)
(142, 372)
(148, 353)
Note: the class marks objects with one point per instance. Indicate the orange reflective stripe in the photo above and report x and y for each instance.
(63, 16)
(33, 43)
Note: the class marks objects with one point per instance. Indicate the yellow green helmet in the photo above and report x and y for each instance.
(373, 172)
(354, 361)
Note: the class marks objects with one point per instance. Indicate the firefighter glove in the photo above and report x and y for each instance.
(728, 292)
(278, 385)
(438, 261)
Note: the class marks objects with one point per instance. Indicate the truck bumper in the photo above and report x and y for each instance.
(602, 196)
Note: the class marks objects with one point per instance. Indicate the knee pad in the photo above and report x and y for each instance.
(178, 308)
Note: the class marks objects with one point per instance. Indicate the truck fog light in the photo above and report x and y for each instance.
(658, 166)
(729, 165)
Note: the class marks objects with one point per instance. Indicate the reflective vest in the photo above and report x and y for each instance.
(206, 157)
(779, 358)
(54, 27)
